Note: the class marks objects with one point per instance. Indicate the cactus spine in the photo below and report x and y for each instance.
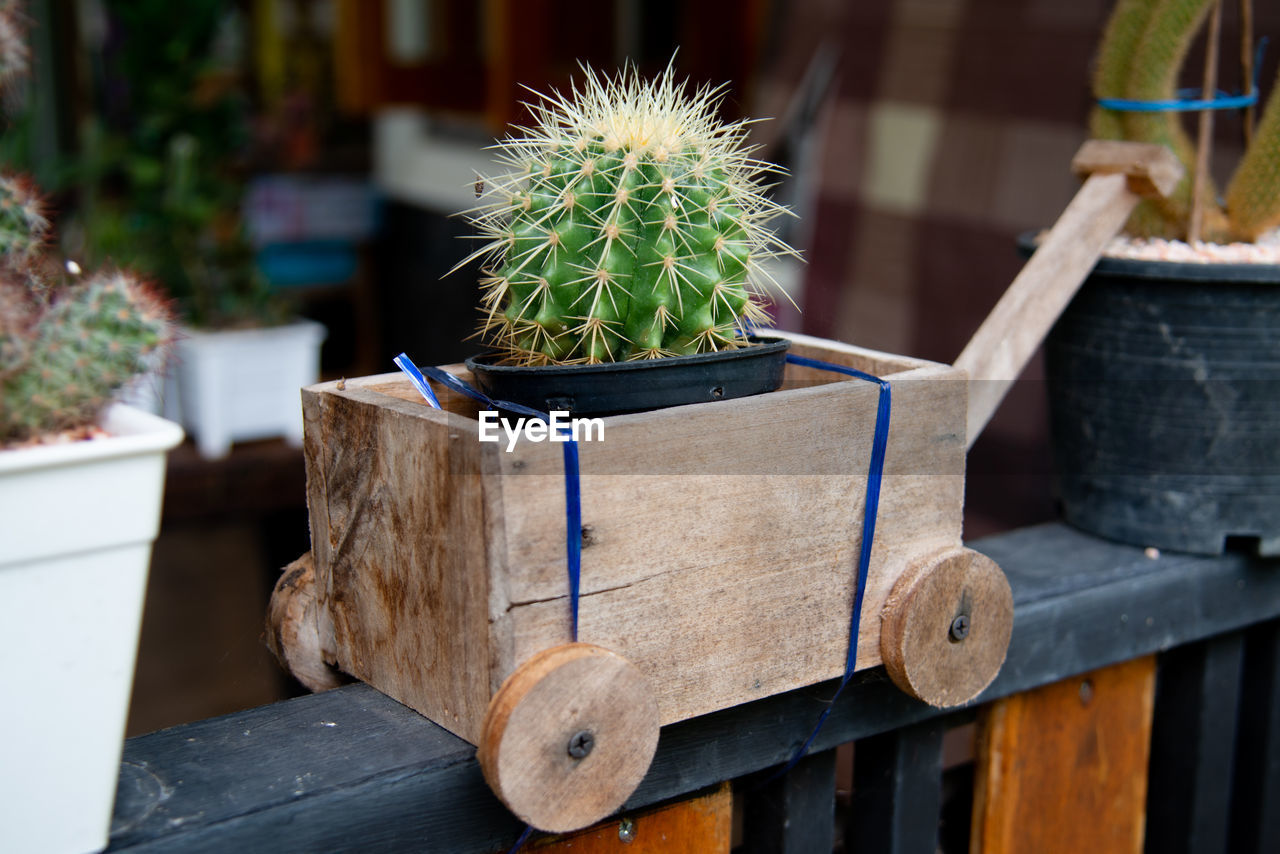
(66, 349)
(90, 341)
(631, 225)
(1143, 50)
(15, 56)
(1253, 196)
(23, 225)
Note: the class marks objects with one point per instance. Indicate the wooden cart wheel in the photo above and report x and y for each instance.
(569, 736)
(293, 634)
(946, 625)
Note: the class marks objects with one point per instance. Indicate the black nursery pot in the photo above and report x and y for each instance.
(1164, 391)
(616, 387)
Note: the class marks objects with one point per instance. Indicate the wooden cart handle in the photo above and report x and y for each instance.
(1118, 174)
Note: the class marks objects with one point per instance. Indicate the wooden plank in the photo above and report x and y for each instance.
(569, 737)
(1063, 767)
(1012, 332)
(398, 515)
(353, 770)
(897, 790)
(1193, 747)
(770, 493)
(1005, 341)
(1152, 169)
(762, 511)
(1255, 823)
(700, 824)
(793, 813)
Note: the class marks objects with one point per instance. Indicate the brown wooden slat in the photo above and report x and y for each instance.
(1064, 767)
(700, 825)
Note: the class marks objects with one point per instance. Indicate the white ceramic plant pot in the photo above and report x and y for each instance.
(239, 384)
(76, 522)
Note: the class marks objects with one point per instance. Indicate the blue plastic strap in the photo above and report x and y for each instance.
(524, 837)
(447, 379)
(415, 376)
(1193, 100)
(1186, 102)
(572, 487)
(573, 513)
(573, 528)
(875, 475)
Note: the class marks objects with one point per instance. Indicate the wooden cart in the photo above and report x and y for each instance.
(719, 544)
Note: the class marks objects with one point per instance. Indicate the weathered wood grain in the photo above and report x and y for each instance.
(727, 587)
(569, 736)
(398, 519)
(1064, 767)
(720, 540)
(1151, 169)
(292, 630)
(699, 825)
(946, 626)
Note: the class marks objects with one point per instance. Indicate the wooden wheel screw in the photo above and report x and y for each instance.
(581, 743)
(569, 736)
(945, 627)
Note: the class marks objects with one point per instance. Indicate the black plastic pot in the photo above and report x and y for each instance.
(1164, 391)
(617, 387)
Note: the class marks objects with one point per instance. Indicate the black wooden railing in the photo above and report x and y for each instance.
(352, 770)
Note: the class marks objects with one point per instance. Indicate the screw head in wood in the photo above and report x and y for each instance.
(581, 743)
(936, 665)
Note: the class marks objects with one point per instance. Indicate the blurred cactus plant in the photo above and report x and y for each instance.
(1140, 58)
(15, 55)
(632, 225)
(68, 344)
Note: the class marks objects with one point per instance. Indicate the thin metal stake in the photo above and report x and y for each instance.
(1205, 142)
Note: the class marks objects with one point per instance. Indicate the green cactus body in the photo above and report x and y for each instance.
(630, 227)
(1253, 196)
(15, 56)
(1153, 75)
(85, 346)
(1141, 56)
(17, 314)
(23, 225)
(1120, 40)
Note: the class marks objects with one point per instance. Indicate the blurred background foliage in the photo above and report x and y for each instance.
(155, 176)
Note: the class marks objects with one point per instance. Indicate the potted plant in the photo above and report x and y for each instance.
(1164, 386)
(80, 489)
(623, 253)
(163, 178)
(580, 597)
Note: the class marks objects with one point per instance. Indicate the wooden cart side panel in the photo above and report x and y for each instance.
(397, 505)
(728, 586)
(313, 454)
(692, 477)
